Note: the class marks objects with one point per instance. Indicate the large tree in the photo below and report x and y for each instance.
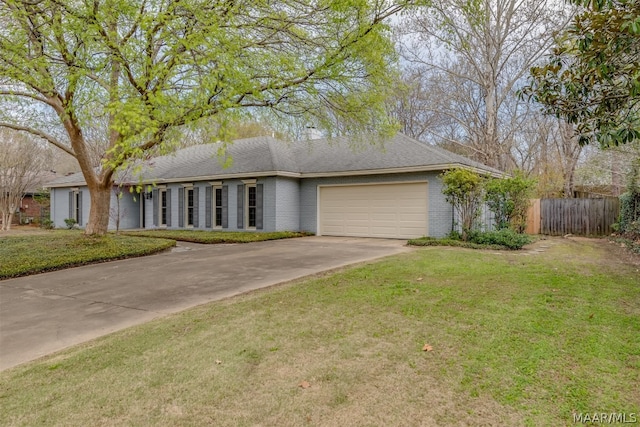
(136, 71)
(592, 78)
(475, 54)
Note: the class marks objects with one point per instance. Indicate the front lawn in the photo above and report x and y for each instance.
(514, 338)
(211, 237)
(26, 254)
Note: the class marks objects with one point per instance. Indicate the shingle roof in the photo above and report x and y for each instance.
(401, 151)
(266, 155)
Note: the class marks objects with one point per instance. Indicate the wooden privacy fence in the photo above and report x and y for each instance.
(586, 217)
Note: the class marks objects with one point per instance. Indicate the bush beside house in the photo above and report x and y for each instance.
(507, 199)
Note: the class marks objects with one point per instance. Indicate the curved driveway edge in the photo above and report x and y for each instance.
(48, 312)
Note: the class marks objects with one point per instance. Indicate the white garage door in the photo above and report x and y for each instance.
(381, 210)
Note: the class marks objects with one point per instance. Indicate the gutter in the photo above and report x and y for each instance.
(299, 175)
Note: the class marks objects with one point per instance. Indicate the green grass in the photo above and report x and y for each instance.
(211, 237)
(22, 255)
(518, 339)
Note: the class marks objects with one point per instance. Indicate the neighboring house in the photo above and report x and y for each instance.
(327, 187)
(33, 208)
(30, 209)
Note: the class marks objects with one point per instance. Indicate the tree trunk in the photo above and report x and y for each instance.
(5, 220)
(568, 184)
(100, 191)
(616, 175)
(569, 150)
(99, 212)
(99, 184)
(492, 144)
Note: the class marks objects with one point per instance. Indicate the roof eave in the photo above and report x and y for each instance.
(406, 169)
(64, 184)
(288, 174)
(219, 177)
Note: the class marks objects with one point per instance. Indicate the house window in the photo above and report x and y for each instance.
(77, 206)
(163, 207)
(189, 204)
(251, 206)
(217, 204)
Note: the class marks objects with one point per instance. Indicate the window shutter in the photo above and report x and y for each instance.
(225, 206)
(240, 216)
(80, 208)
(181, 207)
(207, 209)
(156, 204)
(259, 209)
(196, 207)
(70, 204)
(168, 207)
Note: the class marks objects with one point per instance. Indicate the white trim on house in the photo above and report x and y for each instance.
(141, 208)
(162, 190)
(216, 185)
(76, 205)
(189, 188)
(351, 184)
(409, 169)
(160, 181)
(318, 231)
(248, 184)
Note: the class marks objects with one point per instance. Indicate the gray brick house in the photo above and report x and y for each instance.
(328, 187)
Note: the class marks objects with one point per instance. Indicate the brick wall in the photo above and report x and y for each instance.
(29, 210)
(287, 199)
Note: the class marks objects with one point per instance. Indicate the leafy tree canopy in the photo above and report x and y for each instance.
(128, 74)
(592, 77)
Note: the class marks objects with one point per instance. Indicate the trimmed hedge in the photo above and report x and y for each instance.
(505, 237)
(499, 240)
(430, 241)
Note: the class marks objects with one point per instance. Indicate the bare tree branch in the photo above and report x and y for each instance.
(36, 132)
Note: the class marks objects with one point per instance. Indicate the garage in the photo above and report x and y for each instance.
(394, 210)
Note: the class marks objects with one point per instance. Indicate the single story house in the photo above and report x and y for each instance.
(334, 187)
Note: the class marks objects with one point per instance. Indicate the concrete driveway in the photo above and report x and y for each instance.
(45, 313)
